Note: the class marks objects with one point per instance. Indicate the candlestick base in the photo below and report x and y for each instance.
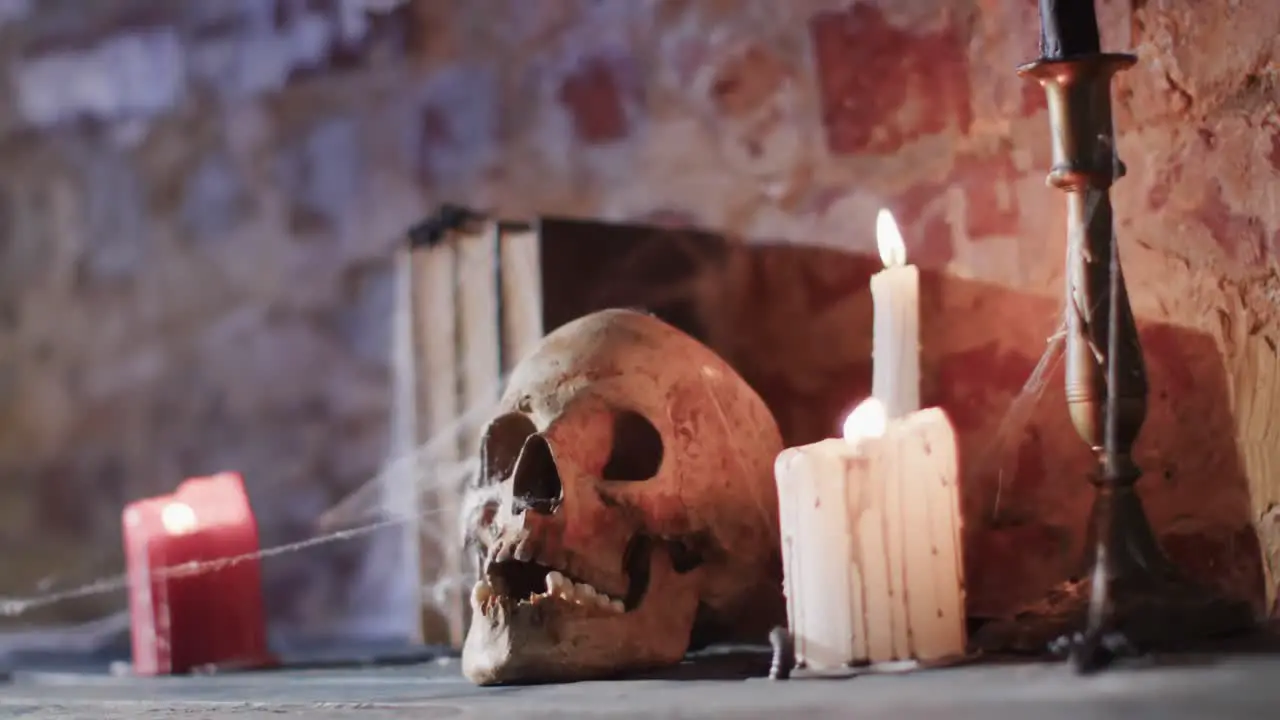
(1169, 614)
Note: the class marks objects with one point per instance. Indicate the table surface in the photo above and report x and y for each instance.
(1222, 686)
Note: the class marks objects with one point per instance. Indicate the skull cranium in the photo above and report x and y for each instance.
(625, 507)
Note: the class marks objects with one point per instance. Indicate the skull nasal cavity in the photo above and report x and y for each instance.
(501, 444)
(637, 448)
(536, 480)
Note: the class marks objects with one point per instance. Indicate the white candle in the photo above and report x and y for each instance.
(871, 525)
(895, 342)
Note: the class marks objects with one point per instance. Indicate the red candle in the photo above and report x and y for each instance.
(186, 608)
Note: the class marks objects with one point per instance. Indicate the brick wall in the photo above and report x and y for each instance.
(193, 251)
(196, 206)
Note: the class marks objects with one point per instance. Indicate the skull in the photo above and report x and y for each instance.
(625, 509)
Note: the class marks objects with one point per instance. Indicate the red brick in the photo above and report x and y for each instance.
(1166, 179)
(870, 71)
(921, 214)
(921, 209)
(1242, 237)
(1033, 99)
(593, 96)
(990, 213)
(1274, 155)
(933, 245)
(746, 80)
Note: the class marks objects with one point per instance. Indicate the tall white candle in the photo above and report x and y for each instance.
(895, 342)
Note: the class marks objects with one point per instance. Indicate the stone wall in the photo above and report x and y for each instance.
(199, 199)
(197, 203)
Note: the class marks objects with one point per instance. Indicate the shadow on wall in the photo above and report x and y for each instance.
(796, 322)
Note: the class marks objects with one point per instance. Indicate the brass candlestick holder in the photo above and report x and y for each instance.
(1133, 591)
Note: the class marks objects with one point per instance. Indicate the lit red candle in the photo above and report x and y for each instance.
(186, 609)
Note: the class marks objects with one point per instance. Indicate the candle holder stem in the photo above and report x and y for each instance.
(1143, 596)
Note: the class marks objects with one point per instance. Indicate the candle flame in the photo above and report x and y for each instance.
(178, 518)
(893, 251)
(868, 420)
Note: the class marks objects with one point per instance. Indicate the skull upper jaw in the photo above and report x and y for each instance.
(513, 642)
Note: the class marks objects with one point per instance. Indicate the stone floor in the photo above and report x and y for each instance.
(1223, 686)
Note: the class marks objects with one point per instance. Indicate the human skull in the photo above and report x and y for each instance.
(625, 507)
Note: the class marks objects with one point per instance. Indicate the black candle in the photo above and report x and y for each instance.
(1068, 28)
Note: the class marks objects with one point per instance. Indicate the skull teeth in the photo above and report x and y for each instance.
(481, 593)
(558, 587)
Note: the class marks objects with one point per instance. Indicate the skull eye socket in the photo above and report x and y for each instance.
(637, 449)
(500, 446)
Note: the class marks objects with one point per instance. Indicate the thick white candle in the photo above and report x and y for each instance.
(895, 341)
(871, 538)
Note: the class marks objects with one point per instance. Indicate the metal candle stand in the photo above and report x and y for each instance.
(1133, 591)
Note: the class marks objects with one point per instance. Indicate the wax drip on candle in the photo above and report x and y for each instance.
(867, 420)
(893, 251)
